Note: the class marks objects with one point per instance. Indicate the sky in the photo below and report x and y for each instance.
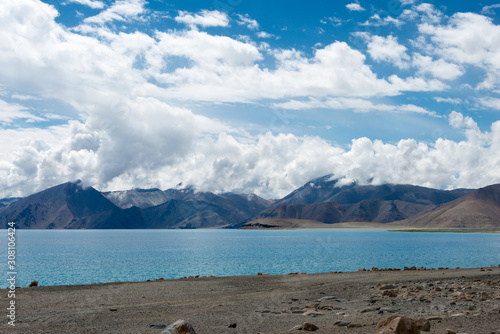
(248, 96)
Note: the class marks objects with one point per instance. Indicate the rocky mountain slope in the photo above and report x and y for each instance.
(324, 200)
(479, 209)
(72, 206)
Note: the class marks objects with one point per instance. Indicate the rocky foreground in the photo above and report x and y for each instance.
(437, 301)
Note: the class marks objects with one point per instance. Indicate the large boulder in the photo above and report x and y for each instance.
(398, 324)
(179, 327)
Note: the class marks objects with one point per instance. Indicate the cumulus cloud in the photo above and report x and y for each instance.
(354, 7)
(124, 93)
(205, 18)
(388, 49)
(438, 68)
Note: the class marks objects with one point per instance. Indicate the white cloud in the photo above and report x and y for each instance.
(205, 18)
(120, 10)
(468, 38)
(125, 88)
(407, 2)
(438, 68)
(354, 104)
(9, 112)
(431, 14)
(356, 7)
(263, 34)
(376, 21)
(94, 4)
(489, 9)
(24, 97)
(247, 21)
(388, 49)
(490, 103)
(448, 100)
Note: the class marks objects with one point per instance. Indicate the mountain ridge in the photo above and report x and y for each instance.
(70, 205)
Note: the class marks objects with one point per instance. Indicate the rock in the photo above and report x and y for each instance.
(370, 309)
(157, 326)
(312, 305)
(354, 326)
(313, 313)
(361, 269)
(484, 296)
(337, 299)
(423, 324)
(390, 293)
(342, 323)
(397, 324)
(296, 328)
(449, 331)
(307, 326)
(179, 327)
(387, 287)
(232, 325)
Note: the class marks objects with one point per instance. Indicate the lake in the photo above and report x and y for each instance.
(60, 257)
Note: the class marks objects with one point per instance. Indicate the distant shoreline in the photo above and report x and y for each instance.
(303, 224)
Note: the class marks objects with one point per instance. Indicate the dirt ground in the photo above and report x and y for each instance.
(462, 300)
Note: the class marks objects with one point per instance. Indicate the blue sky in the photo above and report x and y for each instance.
(248, 96)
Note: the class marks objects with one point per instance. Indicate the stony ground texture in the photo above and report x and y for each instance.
(459, 300)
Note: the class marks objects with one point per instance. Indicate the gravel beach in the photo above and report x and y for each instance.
(456, 300)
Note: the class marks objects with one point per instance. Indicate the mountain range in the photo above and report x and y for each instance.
(324, 200)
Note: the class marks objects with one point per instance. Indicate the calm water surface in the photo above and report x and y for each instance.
(59, 257)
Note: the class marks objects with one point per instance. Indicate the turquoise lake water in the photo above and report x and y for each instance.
(60, 257)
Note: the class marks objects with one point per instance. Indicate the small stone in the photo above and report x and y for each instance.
(232, 325)
(390, 293)
(179, 327)
(450, 331)
(387, 287)
(313, 313)
(296, 328)
(113, 309)
(370, 309)
(354, 326)
(157, 326)
(388, 309)
(307, 326)
(342, 323)
(312, 305)
(337, 299)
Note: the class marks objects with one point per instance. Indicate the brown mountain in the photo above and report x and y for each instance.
(71, 206)
(479, 209)
(68, 205)
(379, 211)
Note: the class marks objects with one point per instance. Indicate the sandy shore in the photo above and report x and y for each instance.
(464, 300)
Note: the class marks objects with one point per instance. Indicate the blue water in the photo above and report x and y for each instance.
(59, 257)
